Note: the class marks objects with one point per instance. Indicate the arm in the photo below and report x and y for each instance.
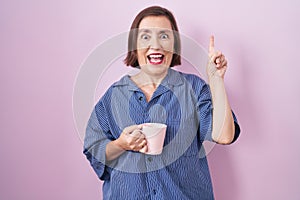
(99, 147)
(223, 129)
(113, 150)
(95, 142)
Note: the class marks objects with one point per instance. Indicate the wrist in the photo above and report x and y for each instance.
(117, 144)
(215, 80)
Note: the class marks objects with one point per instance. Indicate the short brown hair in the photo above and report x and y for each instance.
(131, 58)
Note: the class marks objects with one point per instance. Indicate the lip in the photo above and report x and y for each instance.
(155, 58)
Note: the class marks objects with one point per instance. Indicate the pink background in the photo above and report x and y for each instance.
(43, 43)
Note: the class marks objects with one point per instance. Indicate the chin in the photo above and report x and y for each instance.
(155, 69)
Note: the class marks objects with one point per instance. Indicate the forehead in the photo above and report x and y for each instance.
(155, 22)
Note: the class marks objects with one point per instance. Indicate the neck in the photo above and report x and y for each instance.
(147, 83)
(143, 79)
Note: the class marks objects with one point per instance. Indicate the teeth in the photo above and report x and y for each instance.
(155, 56)
(155, 61)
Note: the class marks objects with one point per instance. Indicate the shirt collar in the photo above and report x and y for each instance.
(126, 81)
(173, 78)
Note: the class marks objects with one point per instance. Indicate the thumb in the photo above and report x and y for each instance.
(130, 129)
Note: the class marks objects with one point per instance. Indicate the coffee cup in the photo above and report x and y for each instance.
(155, 136)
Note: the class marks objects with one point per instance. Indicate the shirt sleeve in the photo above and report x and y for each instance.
(237, 128)
(205, 110)
(95, 142)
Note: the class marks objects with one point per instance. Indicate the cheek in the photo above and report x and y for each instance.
(169, 50)
(141, 55)
(169, 57)
(141, 50)
(168, 46)
(142, 44)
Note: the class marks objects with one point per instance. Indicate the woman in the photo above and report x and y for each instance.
(192, 110)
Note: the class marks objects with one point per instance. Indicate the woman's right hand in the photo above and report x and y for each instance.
(132, 139)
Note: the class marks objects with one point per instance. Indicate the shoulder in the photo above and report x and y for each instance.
(106, 97)
(195, 81)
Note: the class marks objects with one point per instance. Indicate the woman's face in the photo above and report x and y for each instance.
(155, 44)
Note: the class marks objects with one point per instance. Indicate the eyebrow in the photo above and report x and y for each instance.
(145, 30)
(165, 31)
(149, 31)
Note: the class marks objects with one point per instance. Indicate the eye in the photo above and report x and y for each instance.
(145, 37)
(164, 36)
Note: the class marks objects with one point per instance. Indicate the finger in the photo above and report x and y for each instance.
(216, 57)
(140, 140)
(211, 47)
(136, 133)
(130, 129)
(142, 144)
(220, 59)
(144, 149)
(138, 146)
(135, 137)
(222, 65)
(213, 58)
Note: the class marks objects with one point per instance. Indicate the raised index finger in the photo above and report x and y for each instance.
(211, 47)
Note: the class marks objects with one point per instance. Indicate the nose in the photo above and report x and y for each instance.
(154, 43)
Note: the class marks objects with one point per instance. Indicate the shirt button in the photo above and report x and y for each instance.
(150, 159)
(140, 98)
(98, 166)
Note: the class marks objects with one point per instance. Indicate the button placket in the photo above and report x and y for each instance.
(154, 185)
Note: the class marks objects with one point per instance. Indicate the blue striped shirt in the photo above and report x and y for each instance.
(182, 102)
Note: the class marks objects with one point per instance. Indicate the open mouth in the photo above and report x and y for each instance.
(155, 58)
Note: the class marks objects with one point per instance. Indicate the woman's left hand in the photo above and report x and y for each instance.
(217, 63)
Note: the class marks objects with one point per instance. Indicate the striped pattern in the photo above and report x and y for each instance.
(183, 102)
